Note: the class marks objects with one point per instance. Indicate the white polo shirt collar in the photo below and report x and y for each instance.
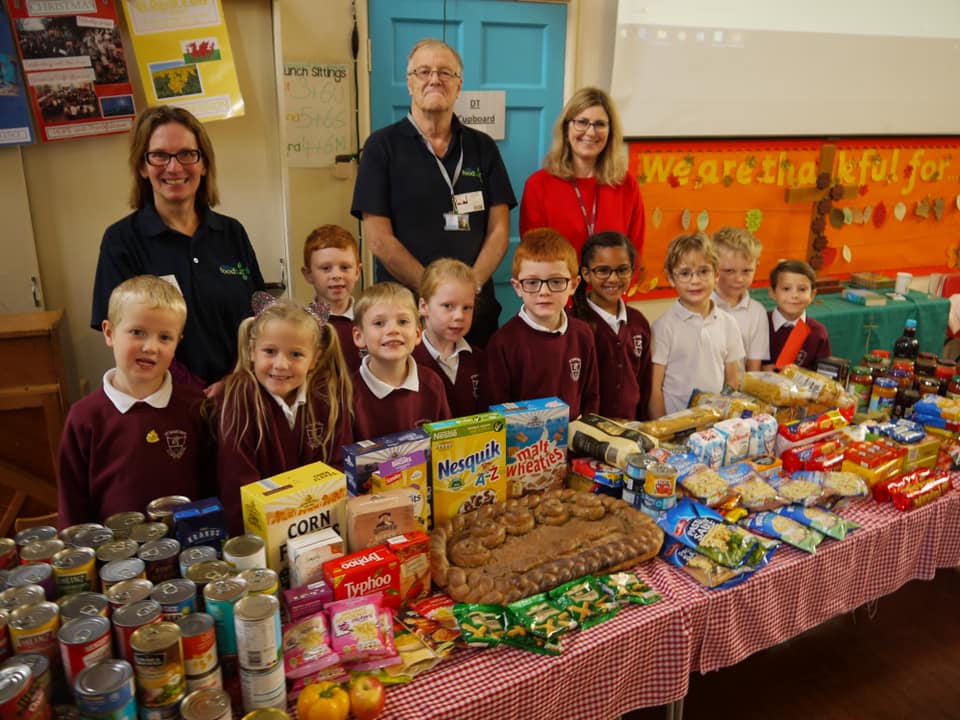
(290, 411)
(380, 389)
(778, 320)
(614, 321)
(123, 402)
(537, 326)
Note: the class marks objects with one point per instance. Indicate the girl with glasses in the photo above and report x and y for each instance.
(584, 186)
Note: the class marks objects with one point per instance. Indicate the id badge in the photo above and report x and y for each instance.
(468, 202)
(456, 222)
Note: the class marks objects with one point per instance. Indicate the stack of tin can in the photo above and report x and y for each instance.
(653, 484)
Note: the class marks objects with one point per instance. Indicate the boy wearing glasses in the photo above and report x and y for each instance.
(542, 352)
(739, 251)
(696, 346)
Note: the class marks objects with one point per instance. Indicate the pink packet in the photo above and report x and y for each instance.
(306, 647)
(355, 627)
(390, 655)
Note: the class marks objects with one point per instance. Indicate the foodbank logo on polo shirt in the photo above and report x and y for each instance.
(472, 173)
(239, 269)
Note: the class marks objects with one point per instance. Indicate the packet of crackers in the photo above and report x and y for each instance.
(708, 487)
(783, 528)
(586, 602)
(626, 587)
(835, 483)
(909, 492)
(828, 523)
(757, 495)
(697, 527)
(731, 405)
(705, 571)
(541, 616)
(480, 625)
(800, 491)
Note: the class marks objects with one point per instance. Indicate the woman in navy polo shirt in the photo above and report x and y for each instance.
(174, 234)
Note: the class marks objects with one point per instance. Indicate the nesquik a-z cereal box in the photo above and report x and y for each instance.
(467, 463)
(536, 444)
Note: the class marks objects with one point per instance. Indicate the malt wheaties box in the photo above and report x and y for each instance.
(467, 464)
(291, 504)
(536, 444)
(407, 453)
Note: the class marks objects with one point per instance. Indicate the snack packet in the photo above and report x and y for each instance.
(823, 390)
(540, 616)
(306, 647)
(705, 571)
(708, 487)
(586, 602)
(828, 523)
(697, 527)
(775, 389)
(799, 491)
(909, 493)
(840, 484)
(757, 495)
(388, 657)
(783, 528)
(415, 656)
(480, 625)
(431, 619)
(356, 633)
(519, 637)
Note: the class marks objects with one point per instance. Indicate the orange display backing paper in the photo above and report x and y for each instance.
(729, 178)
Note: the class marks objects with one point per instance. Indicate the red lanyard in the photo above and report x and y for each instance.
(591, 219)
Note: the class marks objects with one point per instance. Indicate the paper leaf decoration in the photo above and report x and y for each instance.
(753, 220)
(847, 216)
(900, 210)
(829, 255)
(923, 208)
(703, 220)
(846, 253)
(880, 215)
(836, 218)
(656, 218)
(867, 214)
(938, 208)
(685, 219)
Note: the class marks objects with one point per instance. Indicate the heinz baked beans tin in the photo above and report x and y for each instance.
(92, 536)
(83, 642)
(129, 591)
(121, 523)
(29, 535)
(40, 550)
(220, 598)
(146, 531)
(263, 688)
(75, 570)
(129, 619)
(105, 691)
(245, 551)
(33, 574)
(158, 666)
(262, 581)
(199, 644)
(119, 570)
(160, 557)
(8, 553)
(177, 597)
(83, 604)
(161, 509)
(14, 597)
(208, 704)
(259, 639)
(20, 696)
(33, 628)
(117, 549)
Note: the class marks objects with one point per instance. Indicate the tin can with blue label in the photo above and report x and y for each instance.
(220, 600)
(177, 597)
(106, 691)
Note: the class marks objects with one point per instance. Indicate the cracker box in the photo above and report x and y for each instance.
(307, 553)
(294, 503)
(467, 464)
(372, 570)
(405, 453)
(413, 552)
(371, 519)
(536, 444)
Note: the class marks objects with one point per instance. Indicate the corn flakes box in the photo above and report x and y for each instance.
(294, 503)
(467, 463)
(536, 444)
(406, 454)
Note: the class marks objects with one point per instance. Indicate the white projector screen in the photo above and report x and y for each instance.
(692, 68)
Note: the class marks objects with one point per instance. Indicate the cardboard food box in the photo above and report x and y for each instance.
(298, 502)
(307, 553)
(406, 453)
(417, 492)
(467, 464)
(413, 552)
(371, 519)
(873, 461)
(372, 570)
(536, 444)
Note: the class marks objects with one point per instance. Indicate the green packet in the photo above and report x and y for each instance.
(518, 637)
(783, 528)
(626, 587)
(480, 625)
(586, 602)
(828, 523)
(540, 616)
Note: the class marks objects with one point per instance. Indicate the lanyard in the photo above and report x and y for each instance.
(591, 219)
(443, 170)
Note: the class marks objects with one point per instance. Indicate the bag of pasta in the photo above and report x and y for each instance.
(775, 389)
(823, 390)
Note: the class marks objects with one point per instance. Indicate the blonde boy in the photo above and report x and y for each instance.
(695, 344)
(138, 436)
(331, 264)
(738, 251)
(542, 351)
(390, 391)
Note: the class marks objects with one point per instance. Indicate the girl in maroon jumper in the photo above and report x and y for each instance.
(287, 402)
(622, 334)
(448, 292)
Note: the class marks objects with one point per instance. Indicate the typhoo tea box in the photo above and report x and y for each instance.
(536, 444)
(467, 463)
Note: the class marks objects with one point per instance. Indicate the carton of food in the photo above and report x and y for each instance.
(413, 552)
(298, 502)
(307, 553)
(406, 454)
(372, 570)
(417, 492)
(536, 444)
(371, 519)
(467, 464)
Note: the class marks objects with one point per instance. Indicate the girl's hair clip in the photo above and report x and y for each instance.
(319, 310)
(261, 301)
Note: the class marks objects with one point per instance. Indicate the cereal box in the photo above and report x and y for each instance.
(536, 444)
(372, 570)
(467, 463)
(294, 503)
(406, 454)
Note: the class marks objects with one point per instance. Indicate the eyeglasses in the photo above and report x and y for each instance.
(582, 124)
(533, 285)
(158, 158)
(443, 74)
(603, 272)
(686, 275)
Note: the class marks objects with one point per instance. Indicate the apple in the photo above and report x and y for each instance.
(366, 697)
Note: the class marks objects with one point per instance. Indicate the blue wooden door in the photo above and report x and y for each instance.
(505, 45)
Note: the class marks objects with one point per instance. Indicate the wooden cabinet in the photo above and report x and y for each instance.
(32, 413)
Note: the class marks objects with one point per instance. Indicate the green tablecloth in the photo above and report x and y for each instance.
(855, 329)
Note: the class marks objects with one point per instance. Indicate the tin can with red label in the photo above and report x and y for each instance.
(118, 549)
(20, 697)
(8, 553)
(39, 669)
(199, 644)
(4, 635)
(40, 550)
(129, 591)
(83, 642)
(85, 604)
(33, 534)
(131, 618)
(12, 598)
(33, 629)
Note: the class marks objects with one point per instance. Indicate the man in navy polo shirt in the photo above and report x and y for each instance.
(430, 187)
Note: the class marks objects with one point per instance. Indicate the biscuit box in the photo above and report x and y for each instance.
(467, 464)
(406, 453)
(413, 552)
(293, 503)
(536, 444)
(372, 570)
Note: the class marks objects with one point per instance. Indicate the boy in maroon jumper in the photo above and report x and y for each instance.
(793, 286)
(331, 264)
(543, 352)
(139, 436)
(390, 392)
(448, 293)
